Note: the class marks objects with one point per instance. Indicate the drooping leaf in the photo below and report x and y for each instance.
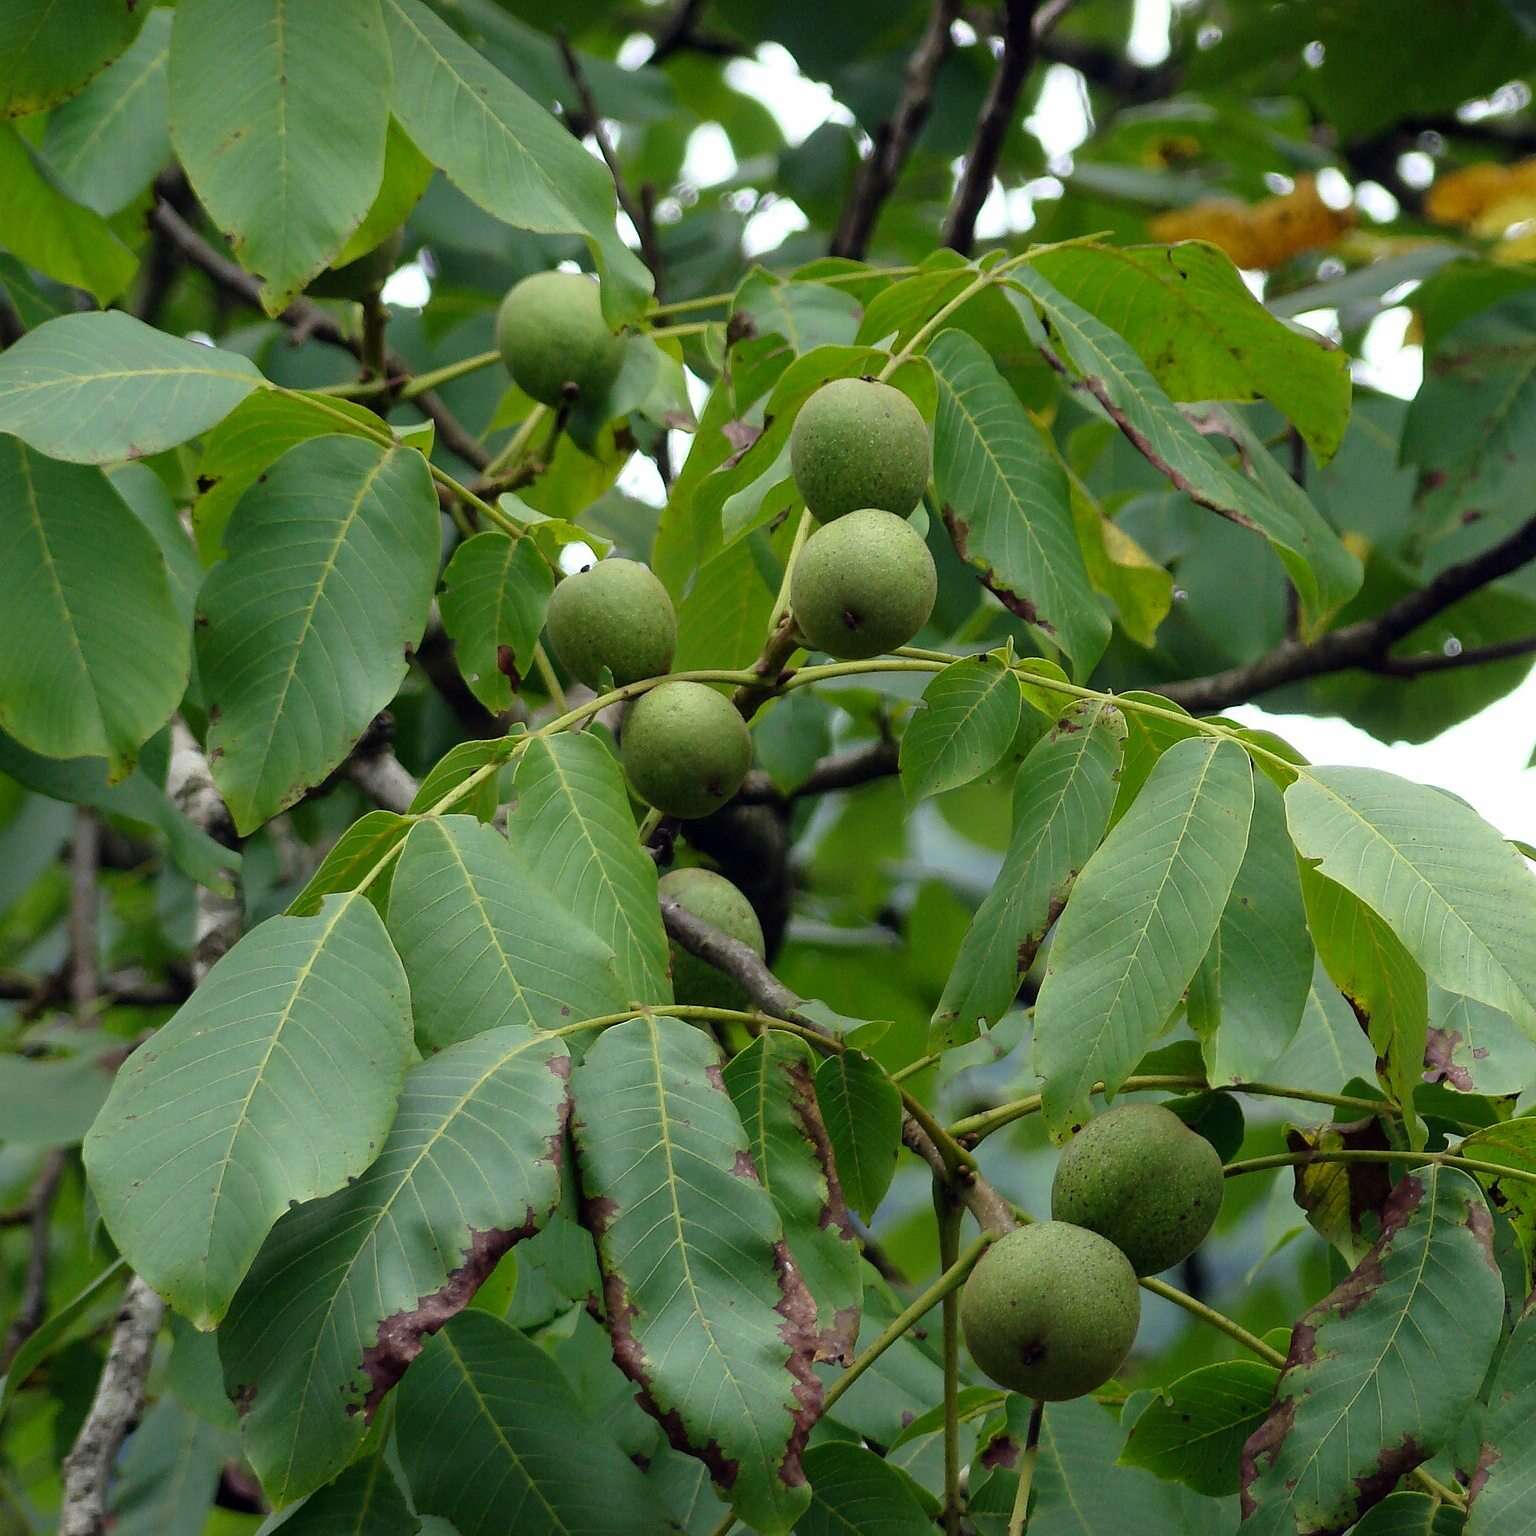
(1186, 312)
(493, 1438)
(55, 1330)
(1501, 1493)
(93, 657)
(772, 1083)
(52, 47)
(1513, 1145)
(1448, 885)
(1061, 804)
(364, 1501)
(350, 859)
(854, 1492)
(1343, 1201)
(1120, 569)
(1323, 571)
(722, 621)
(346, 1289)
(107, 144)
(406, 174)
(1193, 1430)
(503, 150)
(94, 388)
(283, 136)
(861, 1108)
(274, 1083)
(294, 669)
(1007, 504)
(1331, 1045)
(697, 1278)
(483, 941)
(968, 719)
(1247, 1000)
(1138, 923)
(572, 823)
(170, 1472)
(1382, 1370)
(1412, 1514)
(495, 591)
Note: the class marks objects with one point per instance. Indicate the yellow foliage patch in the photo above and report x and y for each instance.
(1485, 198)
(1258, 236)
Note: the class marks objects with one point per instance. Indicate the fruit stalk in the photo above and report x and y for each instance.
(1018, 1521)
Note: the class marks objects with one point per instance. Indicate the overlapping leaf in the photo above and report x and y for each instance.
(1061, 803)
(351, 858)
(861, 1108)
(495, 591)
(1005, 498)
(698, 1285)
(332, 563)
(493, 1438)
(572, 823)
(1140, 920)
(346, 1288)
(52, 47)
(94, 388)
(773, 1085)
(93, 657)
(364, 1501)
(282, 136)
(854, 1492)
(274, 1084)
(968, 719)
(1194, 1429)
(483, 941)
(1382, 1370)
(1502, 1485)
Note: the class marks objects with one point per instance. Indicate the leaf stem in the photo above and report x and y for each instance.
(948, 1211)
(513, 449)
(1018, 1521)
(1377, 1155)
(1218, 1320)
(692, 328)
(547, 677)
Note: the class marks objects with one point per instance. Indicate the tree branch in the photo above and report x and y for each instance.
(742, 965)
(34, 1292)
(992, 125)
(1366, 644)
(838, 770)
(375, 769)
(877, 176)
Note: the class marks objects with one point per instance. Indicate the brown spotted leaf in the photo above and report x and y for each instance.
(709, 1315)
(773, 1085)
(1500, 1488)
(347, 1288)
(1382, 1371)
(1343, 1201)
(1512, 1144)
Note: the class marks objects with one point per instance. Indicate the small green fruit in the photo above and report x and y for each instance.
(366, 275)
(1140, 1177)
(857, 444)
(714, 899)
(863, 585)
(1051, 1311)
(551, 333)
(686, 749)
(616, 615)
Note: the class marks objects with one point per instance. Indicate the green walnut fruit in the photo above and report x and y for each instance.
(1140, 1177)
(863, 585)
(714, 899)
(857, 444)
(551, 334)
(686, 749)
(615, 614)
(1051, 1311)
(366, 275)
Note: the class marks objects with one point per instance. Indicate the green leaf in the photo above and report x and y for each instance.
(572, 823)
(806, 315)
(696, 1282)
(484, 943)
(350, 858)
(93, 658)
(772, 1083)
(503, 150)
(54, 1331)
(1475, 1048)
(49, 231)
(1185, 310)
(169, 1474)
(1411, 1514)
(1007, 504)
(1502, 1494)
(1512, 1145)
(50, 1101)
(346, 1289)
(967, 721)
(493, 1438)
(1382, 1370)
(1455, 893)
(258, 432)
(1470, 427)
(1323, 571)
(722, 621)
(294, 669)
(495, 591)
(1061, 803)
(32, 305)
(1139, 922)
(861, 1108)
(1383, 983)
(1118, 567)
(406, 174)
(283, 136)
(52, 47)
(364, 1501)
(274, 1083)
(856, 1492)
(1330, 1047)
(456, 767)
(1247, 1001)
(1192, 1431)
(109, 143)
(93, 388)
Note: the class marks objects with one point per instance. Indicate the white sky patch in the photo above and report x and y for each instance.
(799, 105)
(708, 158)
(641, 479)
(1387, 361)
(1148, 42)
(1060, 119)
(771, 225)
(408, 287)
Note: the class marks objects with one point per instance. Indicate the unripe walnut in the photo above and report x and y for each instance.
(686, 749)
(551, 333)
(615, 614)
(858, 443)
(716, 901)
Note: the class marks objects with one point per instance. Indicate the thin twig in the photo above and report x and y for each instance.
(33, 1305)
(838, 770)
(84, 899)
(947, 1212)
(1018, 1521)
